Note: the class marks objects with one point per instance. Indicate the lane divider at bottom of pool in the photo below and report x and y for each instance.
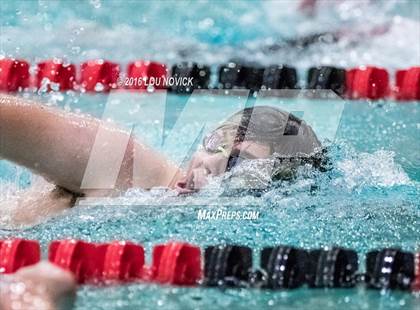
(184, 264)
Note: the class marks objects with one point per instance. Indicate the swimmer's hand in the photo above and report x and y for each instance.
(183, 189)
(195, 180)
(41, 286)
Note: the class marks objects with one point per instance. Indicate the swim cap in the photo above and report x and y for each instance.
(285, 134)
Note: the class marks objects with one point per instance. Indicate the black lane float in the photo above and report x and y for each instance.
(335, 267)
(283, 267)
(227, 265)
(389, 269)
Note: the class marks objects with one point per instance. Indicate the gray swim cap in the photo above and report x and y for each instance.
(284, 133)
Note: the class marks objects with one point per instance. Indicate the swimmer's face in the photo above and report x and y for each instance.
(207, 163)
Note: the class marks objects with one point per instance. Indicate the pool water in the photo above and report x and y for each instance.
(369, 199)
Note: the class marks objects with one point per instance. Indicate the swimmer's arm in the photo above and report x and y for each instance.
(57, 145)
(33, 205)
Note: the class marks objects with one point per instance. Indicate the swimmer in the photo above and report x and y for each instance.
(350, 36)
(41, 286)
(57, 145)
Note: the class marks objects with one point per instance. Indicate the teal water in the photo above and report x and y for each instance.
(370, 198)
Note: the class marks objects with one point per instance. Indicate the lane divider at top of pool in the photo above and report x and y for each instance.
(184, 264)
(364, 82)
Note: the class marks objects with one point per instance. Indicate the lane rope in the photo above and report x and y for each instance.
(229, 265)
(98, 76)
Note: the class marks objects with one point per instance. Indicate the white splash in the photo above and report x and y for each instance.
(376, 169)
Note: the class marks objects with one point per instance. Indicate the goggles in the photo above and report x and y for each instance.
(216, 143)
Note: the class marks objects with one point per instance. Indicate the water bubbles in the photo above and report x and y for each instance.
(56, 87)
(206, 23)
(45, 82)
(99, 87)
(75, 50)
(95, 3)
(48, 27)
(55, 98)
(377, 169)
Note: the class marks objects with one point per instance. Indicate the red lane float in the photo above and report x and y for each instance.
(14, 74)
(140, 74)
(18, 253)
(56, 72)
(408, 84)
(99, 75)
(76, 256)
(367, 83)
(176, 263)
(122, 261)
